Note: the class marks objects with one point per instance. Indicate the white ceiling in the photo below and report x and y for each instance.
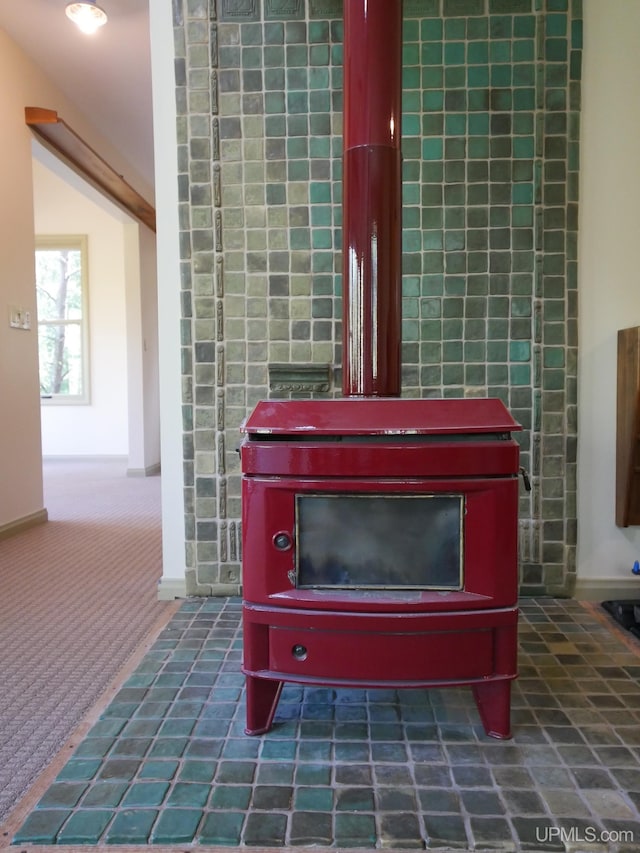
(107, 76)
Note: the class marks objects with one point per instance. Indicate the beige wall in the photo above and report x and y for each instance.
(23, 84)
(20, 410)
(609, 282)
(100, 427)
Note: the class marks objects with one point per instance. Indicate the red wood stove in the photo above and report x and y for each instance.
(380, 549)
(379, 534)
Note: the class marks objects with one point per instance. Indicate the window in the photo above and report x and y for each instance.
(61, 287)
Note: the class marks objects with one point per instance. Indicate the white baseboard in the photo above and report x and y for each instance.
(170, 588)
(149, 471)
(605, 589)
(24, 523)
(116, 457)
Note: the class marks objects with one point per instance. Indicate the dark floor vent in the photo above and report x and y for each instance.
(627, 613)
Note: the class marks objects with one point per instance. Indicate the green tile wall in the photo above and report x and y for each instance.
(491, 100)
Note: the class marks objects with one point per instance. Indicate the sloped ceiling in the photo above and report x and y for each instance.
(107, 75)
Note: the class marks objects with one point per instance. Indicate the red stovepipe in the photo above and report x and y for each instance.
(372, 198)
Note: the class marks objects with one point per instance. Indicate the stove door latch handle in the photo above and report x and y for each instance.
(525, 478)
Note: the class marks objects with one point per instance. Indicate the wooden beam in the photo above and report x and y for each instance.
(83, 159)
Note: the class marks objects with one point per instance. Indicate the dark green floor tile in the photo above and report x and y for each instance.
(396, 800)
(351, 713)
(482, 802)
(314, 799)
(318, 750)
(270, 797)
(162, 694)
(120, 710)
(152, 710)
(176, 826)
(284, 750)
(445, 830)
(212, 728)
(288, 729)
(351, 731)
(41, 827)
(355, 800)
(438, 800)
(275, 773)
(197, 771)
(204, 748)
(400, 830)
(194, 693)
(62, 794)
(354, 774)
(231, 797)
(168, 747)
(222, 828)
(265, 829)
(119, 768)
(132, 826)
(490, 830)
(419, 734)
(130, 693)
(470, 776)
(77, 769)
(386, 732)
(592, 777)
(241, 748)
(389, 752)
(104, 794)
(234, 772)
(136, 683)
(313, 774)
(142, 728)
(94, 747)
(158, 769)
(392, 774)
(355, 830)
(180, 727)
(85, 826)
(350, 752)
(107, 728)
(145, 794)
(308, 828)
(169, 679)
(315, 730)
(426, 753)
(189, 794)
(225, 694)
(131, 747)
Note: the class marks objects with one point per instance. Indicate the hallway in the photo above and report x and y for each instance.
(77, 596)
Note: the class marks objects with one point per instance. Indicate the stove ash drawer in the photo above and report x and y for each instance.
(381, 657)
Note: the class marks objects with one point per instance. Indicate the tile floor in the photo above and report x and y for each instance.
(168, 762)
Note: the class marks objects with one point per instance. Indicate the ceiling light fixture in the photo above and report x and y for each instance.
(87, 16)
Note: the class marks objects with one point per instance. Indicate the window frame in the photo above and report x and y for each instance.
(74, 242)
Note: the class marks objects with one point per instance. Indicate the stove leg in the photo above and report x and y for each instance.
(262, 700)
(494, 704)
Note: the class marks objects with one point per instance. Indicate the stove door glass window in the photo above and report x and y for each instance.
(379, 541)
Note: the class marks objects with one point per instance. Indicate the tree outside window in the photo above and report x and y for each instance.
(61, 264)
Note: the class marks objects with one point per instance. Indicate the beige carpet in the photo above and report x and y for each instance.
(77, 596)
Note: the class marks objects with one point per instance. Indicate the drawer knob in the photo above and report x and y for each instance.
(299, 651)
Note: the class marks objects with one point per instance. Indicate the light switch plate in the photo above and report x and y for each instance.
(19, 318)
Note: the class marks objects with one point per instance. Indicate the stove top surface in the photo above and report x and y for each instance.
(381, 416)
